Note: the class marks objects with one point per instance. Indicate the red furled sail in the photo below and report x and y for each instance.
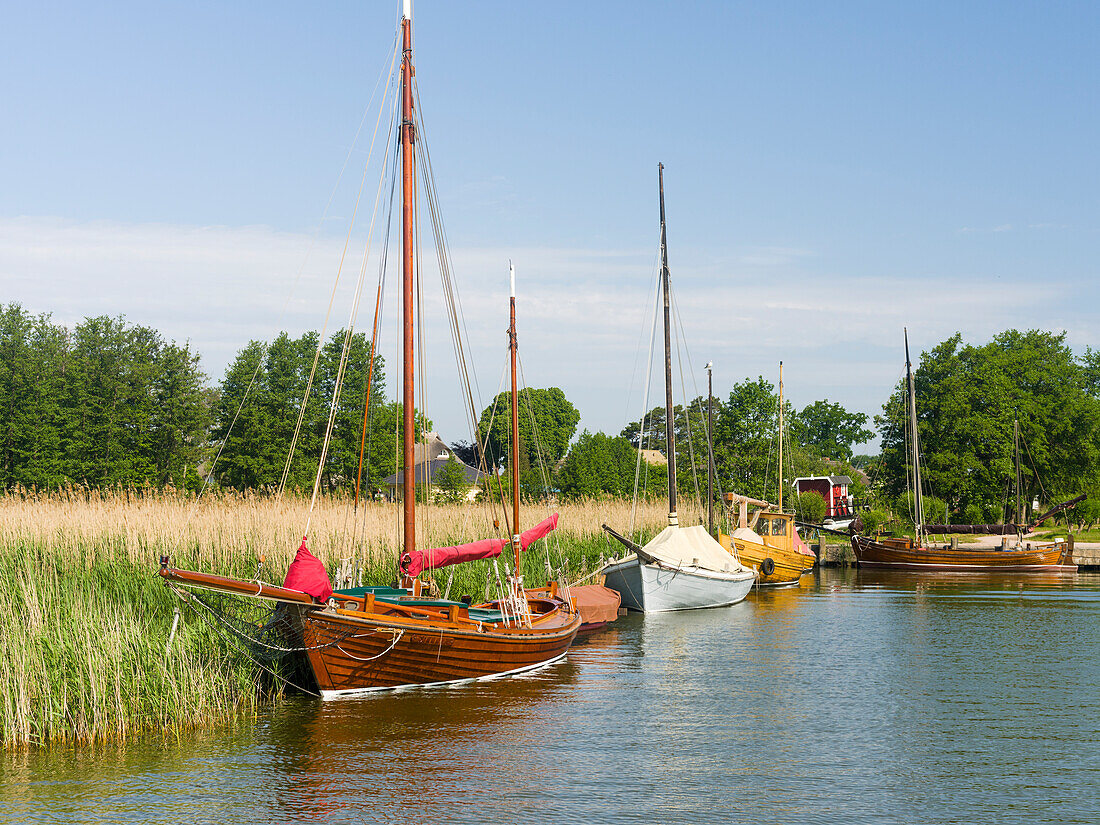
(412, 564)
(307, 573)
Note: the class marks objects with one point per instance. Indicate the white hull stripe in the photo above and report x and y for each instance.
(352, 692)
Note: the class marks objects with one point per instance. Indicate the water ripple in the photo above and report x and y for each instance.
(855, 697)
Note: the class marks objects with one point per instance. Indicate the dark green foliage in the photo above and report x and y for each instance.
(1087, 513)
(830, 430)
(271, 382)
(599, 465)
(555, 421)
(935, 509)
(873, 520)
(450, 481)
(745, 441)
(107, 403)
(967, 397)
(811, 507)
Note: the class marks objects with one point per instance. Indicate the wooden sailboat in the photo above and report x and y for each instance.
(682, 568)
(769, 543)
(378, 638)
(921, 554)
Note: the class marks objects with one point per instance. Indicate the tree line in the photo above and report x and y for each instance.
(108, 403)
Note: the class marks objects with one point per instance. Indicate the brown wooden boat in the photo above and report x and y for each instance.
(367, 644)
(902, 554)
(380, 638)
(920, 554)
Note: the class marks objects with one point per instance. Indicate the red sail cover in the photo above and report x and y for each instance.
(308, 574)
(418, 560)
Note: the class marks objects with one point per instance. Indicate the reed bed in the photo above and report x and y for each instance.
(84, 649)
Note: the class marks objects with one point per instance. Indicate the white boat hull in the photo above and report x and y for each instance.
(652, 588)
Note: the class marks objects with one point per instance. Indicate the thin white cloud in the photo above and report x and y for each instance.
(584, 315)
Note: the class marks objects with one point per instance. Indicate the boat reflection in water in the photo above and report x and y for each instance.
(402, 747)
(963, 580)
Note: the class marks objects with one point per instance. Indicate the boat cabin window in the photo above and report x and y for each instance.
(779, 527)
(763, 526)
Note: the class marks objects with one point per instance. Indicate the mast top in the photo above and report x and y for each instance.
(512, 278)
(407, 10)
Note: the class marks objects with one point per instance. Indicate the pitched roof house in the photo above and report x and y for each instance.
(431, 455)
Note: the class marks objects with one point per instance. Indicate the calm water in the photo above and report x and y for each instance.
(857, 697)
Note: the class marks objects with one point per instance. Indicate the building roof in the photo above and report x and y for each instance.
(862, 476)
(431, 447)
(429, 470)
(654, 457)
(830, 479)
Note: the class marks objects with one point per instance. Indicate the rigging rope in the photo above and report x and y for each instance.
(297, 278)
(328, 313)
(350, 331)
(643, 433)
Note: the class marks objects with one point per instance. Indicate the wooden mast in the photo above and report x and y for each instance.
(780, 495)
(1016, 440)
(914, 442)
(513, 346)
(710, 450)
(408, 134)
(670, 435)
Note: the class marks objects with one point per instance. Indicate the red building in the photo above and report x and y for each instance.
(834, 489)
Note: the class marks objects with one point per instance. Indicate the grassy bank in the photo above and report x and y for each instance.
(86, 621)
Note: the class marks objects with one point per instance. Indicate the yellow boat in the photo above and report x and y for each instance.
(768, 543)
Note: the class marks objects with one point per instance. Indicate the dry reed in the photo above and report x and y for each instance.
(224, 529)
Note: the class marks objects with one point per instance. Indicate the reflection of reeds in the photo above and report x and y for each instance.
(85, 620)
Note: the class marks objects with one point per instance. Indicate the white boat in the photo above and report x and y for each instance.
(685, 569)
(682, 568)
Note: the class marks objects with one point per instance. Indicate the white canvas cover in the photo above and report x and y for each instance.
(747, 534)
(687, 546)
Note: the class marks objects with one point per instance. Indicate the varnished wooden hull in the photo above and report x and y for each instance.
(1047, 558)
(353, 655)
(789, 565)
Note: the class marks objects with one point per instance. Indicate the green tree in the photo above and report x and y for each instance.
(599, 465)
(263, 402)
(555, 421)
(108, 403)
(967, 399)
(746, 438)
(31, 355)
(830, 430)
(450, 481)
(811, 507)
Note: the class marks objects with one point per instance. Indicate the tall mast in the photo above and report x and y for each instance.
(408, 134)
(1016, 439)
(670, 435)
(710, 450)
(915, 441)
(513, 346)
(780, 495)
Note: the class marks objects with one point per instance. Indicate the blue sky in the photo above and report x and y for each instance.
(834, 171)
